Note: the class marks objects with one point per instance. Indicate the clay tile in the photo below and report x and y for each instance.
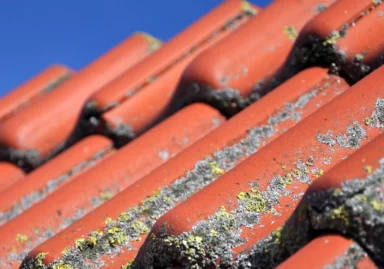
(349, 198)
(37, 185)
(100, 183)
(41, 129)
(331, 251)
(346, 36)
(198, 166)
(10, 175)
(239, 216)
(230, 74)
(136, 100)
(39, 85)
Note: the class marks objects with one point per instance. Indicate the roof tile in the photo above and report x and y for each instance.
(331, 251)
(39, 85)
(347, 36)
(214, 154)
(10, 175)
(255, 203)
(100, 183)
(234, 69)
(49, 123)
(136, 100)
(297, 172)
(46, 179)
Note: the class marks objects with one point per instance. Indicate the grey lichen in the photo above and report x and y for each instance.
(349, 259)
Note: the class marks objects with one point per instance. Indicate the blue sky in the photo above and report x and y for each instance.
(36, 34)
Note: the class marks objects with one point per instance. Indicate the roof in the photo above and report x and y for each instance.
(253, 139)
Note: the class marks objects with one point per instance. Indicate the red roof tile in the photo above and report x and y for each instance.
(49, 123)
(36, 87)
(328, 251)
(152, 82)
(213, 155)
(292, 181)
(102, 182)
(37, 185)
(10, 175)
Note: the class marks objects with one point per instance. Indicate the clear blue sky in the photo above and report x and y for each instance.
(35, 34)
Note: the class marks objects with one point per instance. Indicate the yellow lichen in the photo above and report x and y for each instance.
(40, 258)
(116, 236)
(140, 227)
(22, 238)
(109, 221)
(288, 178)
(62, 265)
(277, 234)
(91, 241)
(336, 192)
(128, 265)
(377, 205)
(291, 32)
(216, 170)
(284, 166)
(318, 172)
(253, 201)
(157, 192)
(79, 242)
(124, 217)
(105, 196)
(368, 169)
(332, 39)
(66, 251)
(341, 214)
(213, 232)
(369, 121)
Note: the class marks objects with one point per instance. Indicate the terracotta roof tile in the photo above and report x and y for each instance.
(49, 125)
(103, 181)
(293, 179)
(135, 101)
(37, 185)
(233, 72)
(211, 156)
(330, 251)
(37, 86)
(10, 175)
